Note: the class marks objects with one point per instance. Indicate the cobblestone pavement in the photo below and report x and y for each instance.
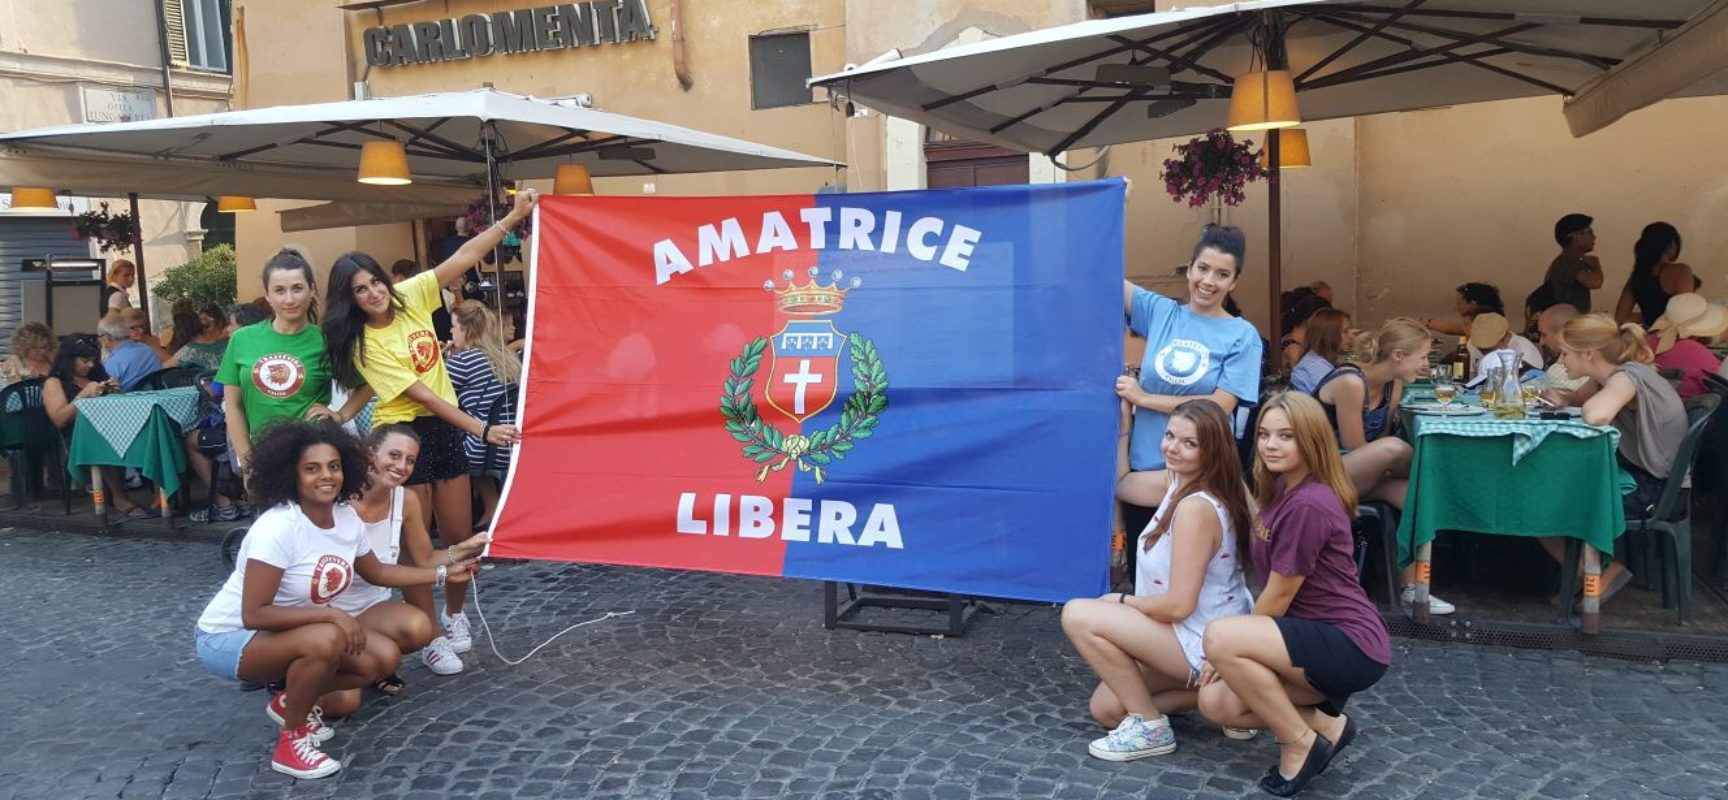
(728, 687)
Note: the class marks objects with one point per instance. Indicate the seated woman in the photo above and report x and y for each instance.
(75, 375)
(1682, 338)
(1300, 305)
(1360, 399)
(274, 620)
(199, 339)
(395, 522)
(32, 353)
(1471, 299)
(1327, 332)
(1314, 638)
(482, 369)
(1625, 391)
(1146, 647)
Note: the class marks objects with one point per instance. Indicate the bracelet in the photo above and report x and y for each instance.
(439, 577)
(449, 557)
(485, 430)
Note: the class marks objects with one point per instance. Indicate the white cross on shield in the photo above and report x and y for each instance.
(805, 376)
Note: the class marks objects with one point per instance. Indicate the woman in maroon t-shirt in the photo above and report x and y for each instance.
(1314, 638)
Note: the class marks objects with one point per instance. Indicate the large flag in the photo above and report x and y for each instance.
(908, 389)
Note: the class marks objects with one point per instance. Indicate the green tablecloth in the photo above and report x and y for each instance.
(1515, 477)
(137, 429)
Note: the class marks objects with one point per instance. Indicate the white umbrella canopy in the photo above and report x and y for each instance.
(1690, 61)
(446, 136)
(1170, 73)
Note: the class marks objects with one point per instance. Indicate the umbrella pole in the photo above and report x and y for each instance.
(138, 260)
(1274, 234)
(494, 188)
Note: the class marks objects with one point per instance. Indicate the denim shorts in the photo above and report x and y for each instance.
(220, 652)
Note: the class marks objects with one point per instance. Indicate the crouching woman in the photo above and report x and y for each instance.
(1145, 647)
(1314, 639)
(273, 619)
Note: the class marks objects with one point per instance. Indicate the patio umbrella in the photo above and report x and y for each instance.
(457, 144)
(1171, 73)
(1690, 61)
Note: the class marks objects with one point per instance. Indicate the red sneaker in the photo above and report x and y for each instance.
(277, 710)
(299, 756)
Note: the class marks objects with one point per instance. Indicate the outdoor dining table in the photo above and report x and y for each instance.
(1512, 477)
(144, 430)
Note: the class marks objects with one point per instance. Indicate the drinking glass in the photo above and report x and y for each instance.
(1446, 392)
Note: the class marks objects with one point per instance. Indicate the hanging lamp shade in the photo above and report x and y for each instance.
(31, 198)
(572, 179)
(384, 163)
(1264, 100)
(1292, 150)
(233, 204)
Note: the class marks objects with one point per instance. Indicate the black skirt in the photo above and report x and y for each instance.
(441, 456)
(1335, 666)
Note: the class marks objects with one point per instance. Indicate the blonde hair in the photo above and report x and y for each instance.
(1598, 333)
(33, 338)
(1316, 445)
(120, 265)
(1398, 335)
(480, 328)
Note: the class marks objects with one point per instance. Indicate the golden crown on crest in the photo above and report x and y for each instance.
(810, 299)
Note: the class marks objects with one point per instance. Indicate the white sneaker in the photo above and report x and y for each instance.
(1136, 737)
(457, 631)
(1435, 604)
(441, 658)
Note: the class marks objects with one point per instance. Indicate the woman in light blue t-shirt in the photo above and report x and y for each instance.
(1193, 349)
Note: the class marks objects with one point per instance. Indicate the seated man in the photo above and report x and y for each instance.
(1492, 341)
(128, 361)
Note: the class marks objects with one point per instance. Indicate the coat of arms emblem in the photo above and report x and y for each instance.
(804, 380)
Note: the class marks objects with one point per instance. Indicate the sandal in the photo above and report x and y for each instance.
(390, 686)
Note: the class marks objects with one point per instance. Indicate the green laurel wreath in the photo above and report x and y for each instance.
(764, 443)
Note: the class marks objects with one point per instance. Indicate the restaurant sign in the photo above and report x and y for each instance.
(528, 30)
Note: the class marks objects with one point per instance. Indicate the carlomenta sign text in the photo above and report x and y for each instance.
(528, 30)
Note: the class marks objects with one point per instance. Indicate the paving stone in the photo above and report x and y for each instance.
(728, 687)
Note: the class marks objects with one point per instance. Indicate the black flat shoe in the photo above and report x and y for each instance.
(1318, 755)
(1345, 737)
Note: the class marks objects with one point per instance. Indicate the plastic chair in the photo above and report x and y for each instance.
(1669, 522)
(173, 378)
(25, 430)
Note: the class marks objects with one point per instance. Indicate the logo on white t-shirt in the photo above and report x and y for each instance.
(278, 375)
(1182, 362)
(329, 578)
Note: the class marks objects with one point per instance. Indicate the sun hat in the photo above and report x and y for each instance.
(1689, 316)
(1486, 331)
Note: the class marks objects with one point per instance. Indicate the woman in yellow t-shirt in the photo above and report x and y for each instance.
(381, 335)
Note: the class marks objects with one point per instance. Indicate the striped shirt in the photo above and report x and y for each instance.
(476, 390)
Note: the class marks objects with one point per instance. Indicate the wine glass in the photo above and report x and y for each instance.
(1446, 392)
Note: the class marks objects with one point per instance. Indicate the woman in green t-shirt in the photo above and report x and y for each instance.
(277, 369)
(380, 335)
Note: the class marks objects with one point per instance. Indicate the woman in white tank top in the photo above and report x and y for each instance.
(396, 528)
(1146, 647)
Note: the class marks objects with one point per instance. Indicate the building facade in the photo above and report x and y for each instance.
(1396, 211)
(72, 61)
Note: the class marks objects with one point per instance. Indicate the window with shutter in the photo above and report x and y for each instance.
(174, 18)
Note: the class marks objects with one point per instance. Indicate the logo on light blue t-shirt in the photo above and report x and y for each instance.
(1182, 362)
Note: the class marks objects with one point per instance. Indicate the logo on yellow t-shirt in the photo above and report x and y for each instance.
(423, 350)
(278, 375)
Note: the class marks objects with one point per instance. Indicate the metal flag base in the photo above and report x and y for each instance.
(842, 614)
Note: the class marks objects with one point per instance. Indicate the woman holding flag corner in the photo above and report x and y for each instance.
(381, 335)
(1193, 350)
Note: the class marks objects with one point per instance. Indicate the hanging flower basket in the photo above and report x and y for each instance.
(480, 219)
(112, 231)
(1214, 166)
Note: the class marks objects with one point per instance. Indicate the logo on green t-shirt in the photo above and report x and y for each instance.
(278, 375)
